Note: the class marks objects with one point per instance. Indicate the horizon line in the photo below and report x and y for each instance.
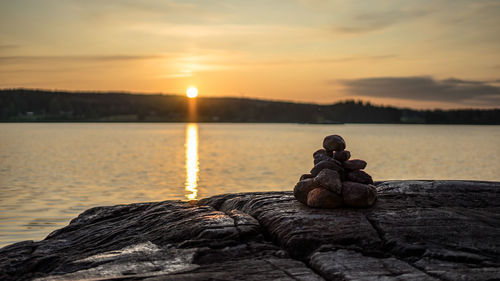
(364, 102)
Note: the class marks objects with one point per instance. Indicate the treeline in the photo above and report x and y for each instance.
(17, 105)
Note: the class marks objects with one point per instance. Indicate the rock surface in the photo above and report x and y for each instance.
(416, 230)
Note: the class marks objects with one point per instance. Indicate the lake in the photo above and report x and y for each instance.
(51, 172)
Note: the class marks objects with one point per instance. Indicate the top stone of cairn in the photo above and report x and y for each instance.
(334, 143)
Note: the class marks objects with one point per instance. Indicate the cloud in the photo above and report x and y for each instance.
(21, 59)
(8, 46)
(426, 88)
(315, 61)
(369, 22)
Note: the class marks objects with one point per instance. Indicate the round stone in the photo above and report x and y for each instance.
(330, 180)
(322, 198)
(357, 194)
(334, 143)
(342, 155)
(331, 164)
(354, 164)
(302, 188)
(359, 176)
(320, 155)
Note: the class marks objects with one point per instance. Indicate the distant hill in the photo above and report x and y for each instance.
(24, 105)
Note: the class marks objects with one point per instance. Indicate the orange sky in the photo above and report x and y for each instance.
(421, 54)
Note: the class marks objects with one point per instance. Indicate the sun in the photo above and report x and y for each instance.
(192, 92)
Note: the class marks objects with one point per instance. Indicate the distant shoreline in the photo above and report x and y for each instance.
(208, 122)
(25, 105)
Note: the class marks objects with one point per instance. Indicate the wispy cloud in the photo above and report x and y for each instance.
(8, 46)
(369, 22)
(426, 88)
(321, 60)
(22, 59)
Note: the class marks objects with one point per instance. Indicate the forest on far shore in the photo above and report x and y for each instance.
(25, 105)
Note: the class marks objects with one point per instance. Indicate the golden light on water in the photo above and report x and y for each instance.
(192, 163)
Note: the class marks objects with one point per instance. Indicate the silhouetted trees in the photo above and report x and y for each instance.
(39, 105)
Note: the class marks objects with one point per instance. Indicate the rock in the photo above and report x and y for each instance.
(330, 180)
(302, 188)
(169, 240)
(322, 198)
(306, 176)
(334, 143)
(409, 219)
(321, 155)
(342, 155)
(359, 176)
(417, 230)
(331, 164)
(354, 164)
(352, 265)
(358, 195)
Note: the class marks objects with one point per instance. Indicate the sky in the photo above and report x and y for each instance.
(418, 54)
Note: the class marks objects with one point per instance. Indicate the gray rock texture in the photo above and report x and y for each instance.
(416, 230)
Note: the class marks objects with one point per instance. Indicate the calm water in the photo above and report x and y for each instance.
(49, 173)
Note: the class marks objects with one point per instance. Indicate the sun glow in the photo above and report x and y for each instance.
(192, 92)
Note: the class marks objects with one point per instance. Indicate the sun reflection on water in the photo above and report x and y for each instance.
(192, 163)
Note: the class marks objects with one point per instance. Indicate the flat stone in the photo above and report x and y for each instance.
(359, 176)
(323, 198)
(327, 164)
(330, 180)
(354, 164)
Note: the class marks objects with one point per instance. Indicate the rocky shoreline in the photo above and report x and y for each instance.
(416, 230)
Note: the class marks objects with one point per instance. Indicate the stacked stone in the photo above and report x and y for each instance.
(335, 180)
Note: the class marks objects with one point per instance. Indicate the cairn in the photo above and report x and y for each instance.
(335, 180)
